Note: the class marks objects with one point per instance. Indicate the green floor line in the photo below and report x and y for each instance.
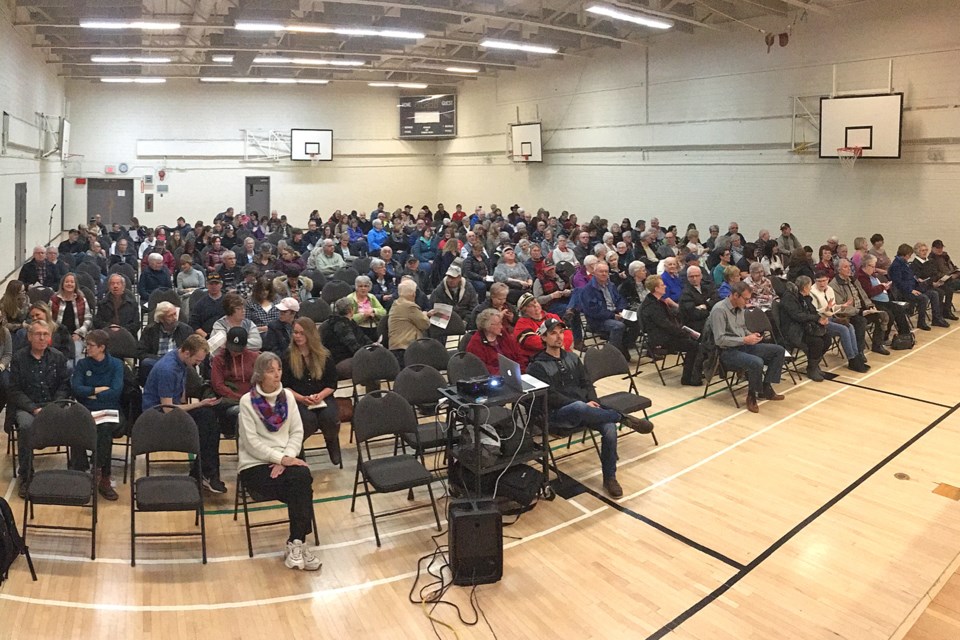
(229, 512)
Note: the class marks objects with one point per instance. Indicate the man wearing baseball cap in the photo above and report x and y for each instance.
(455, 292)
(230, 375)
(572, 399)
(787, 242)
(945, 266)
(279, 330)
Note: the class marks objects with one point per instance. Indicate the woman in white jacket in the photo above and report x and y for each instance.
(825, 300)
(270, 438)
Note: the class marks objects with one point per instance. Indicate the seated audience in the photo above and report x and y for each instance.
(97, 383)
(803, 327)
(311, 374)
(343, 337)
(367, 310)
(879, 293)
(383, 283)
(55, 266)
(38, 376)
(633, 289)
(671, 279)
(850, 293)
(230, 272)
(261, 308)
(276, 339)
(928, 273)
(740, 349)
(189, 279)
(697, 299)
(14, 306)
(250, 275)
(209, 308)
(167, 385)
(117, 308)
(490, 341)
(230, 373)
(154, 278)
(71, 310)
(825, 265)
(601, 303)
(513, 273)
(454, 291)
(825, 301)
(664, 331)
(166, 334)
(37, 272)
(527, 329)
(572, 399)
(760, 285)
(407, 322)
(293, 285)
(270, 436)
(325, 259)
(731, 275)
(913, 291)
(235, 315)
(721, 267)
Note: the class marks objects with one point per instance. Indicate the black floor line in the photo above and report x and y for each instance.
(894, 394)
(565, 479)
(741, 574)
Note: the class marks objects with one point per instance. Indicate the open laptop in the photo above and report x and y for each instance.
(510, 372)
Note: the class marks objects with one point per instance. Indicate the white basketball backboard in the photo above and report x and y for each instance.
(304, 142)
(871, 122)
(527, 145)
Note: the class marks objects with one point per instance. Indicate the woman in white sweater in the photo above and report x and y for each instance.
(270, 438)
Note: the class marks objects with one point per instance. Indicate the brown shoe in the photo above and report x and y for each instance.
(770, 394)
(640, 425)
(611, 486)
(752, 405)
(106, 489)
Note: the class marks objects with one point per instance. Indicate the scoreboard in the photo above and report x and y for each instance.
(428, 116)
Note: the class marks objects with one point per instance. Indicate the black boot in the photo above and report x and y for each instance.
(814, 373)
(856, 364)
(333, 450)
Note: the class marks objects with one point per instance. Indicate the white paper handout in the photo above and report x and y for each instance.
(442, 316)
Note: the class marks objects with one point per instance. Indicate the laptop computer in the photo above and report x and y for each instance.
(510, 372)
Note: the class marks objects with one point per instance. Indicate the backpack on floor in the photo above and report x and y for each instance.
(11, 544)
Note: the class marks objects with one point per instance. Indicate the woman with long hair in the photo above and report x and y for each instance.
(71, 310)
(269, 437)
(14, 306)
(60, 337)
(261, 308)
(309, 371)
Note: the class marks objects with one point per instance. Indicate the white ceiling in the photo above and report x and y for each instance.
(453, 30)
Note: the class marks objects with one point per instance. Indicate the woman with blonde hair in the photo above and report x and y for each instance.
(310, 373)
(14, 306)
(269, 437)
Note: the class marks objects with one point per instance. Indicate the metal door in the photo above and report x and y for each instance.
(110, 197)
(20, 223)
(258, 195)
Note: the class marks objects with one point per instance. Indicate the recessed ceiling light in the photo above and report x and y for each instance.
(517, 46)
(227, 59)
(264, 80)
(629, 16)
(462, 70)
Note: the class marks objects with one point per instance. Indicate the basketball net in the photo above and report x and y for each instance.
(314, 159)
(848, 156)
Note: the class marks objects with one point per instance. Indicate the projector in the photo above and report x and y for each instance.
(479, 386)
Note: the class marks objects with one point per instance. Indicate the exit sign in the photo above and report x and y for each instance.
(109, 169)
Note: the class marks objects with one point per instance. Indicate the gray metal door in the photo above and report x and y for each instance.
(258, 195)
(20, 223)
(111, 198)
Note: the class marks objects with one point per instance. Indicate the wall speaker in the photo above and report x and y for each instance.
(475, 539)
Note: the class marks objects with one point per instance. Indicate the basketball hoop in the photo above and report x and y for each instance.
(849, 155)
(314, 159)
(526, 157)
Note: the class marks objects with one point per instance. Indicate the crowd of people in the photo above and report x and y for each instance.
(530, 286)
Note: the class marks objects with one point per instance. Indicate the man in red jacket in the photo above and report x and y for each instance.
(527, 328)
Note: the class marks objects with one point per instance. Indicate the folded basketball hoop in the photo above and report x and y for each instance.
(849, 155)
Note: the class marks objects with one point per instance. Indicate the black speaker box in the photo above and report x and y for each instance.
(476, 542)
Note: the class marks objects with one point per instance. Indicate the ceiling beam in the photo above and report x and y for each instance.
(809, 6)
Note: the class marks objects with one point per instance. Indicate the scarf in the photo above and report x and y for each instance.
(272, 417)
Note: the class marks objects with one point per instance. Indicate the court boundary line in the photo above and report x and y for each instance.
(893, 393)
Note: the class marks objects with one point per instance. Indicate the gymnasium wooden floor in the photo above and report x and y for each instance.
(815, 518)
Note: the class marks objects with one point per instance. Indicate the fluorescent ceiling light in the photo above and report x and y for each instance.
(344, 31)
(399, 85)
(629, 16)
(133, 80)
(129, 60)
(307, 61)
(462, 70)
(517, 46)
(258, 26)
(265, 80)
(227, 59)
(137, 24)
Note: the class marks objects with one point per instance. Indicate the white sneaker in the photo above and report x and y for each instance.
(300, 557)
(310, 561)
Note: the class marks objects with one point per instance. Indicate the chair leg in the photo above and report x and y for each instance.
(433, 503)
(93, 527)
(203, 535)
(246, 520)
(373, 516)
(133, 528)
(356, 483)
(316, 529)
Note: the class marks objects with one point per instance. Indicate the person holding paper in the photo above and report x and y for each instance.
(912, 290)
(850, 293)
(97, 383)
(407, 321)
(927, 271)
(367, 309)
(825, 301)
(310, 373)
(664, 330)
